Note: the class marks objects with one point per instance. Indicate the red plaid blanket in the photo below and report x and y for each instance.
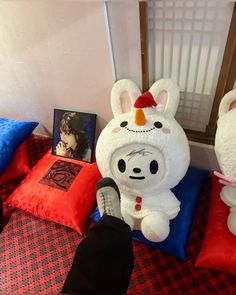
(36, 255)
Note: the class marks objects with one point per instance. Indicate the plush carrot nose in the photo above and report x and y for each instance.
(140, 117)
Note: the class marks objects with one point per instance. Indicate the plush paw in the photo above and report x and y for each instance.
(228, 195)
(155, 227)
(224, 179)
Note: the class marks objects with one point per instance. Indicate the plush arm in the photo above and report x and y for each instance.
(224, 179)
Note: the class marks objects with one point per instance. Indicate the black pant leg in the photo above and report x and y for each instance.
(103, 261)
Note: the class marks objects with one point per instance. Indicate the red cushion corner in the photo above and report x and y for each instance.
(69, 206)
(219, 245)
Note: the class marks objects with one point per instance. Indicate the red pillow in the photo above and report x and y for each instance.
(59, 190)
(19, 165)
(219, 245)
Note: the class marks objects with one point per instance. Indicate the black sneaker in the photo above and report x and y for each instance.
(108, 198)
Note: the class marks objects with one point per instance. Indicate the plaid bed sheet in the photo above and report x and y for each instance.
(36, 255)
(158, 273)
(37, 147)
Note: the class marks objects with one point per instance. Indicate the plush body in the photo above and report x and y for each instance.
(146, 152)
(225, 148)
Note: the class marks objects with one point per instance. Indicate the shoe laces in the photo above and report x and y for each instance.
(107, 204)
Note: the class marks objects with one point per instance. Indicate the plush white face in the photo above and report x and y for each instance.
(225, 143)
(144, 150)
(225, 139)
(143, 158)
(137, 165)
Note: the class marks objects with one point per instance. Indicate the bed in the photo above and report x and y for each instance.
(36, 255)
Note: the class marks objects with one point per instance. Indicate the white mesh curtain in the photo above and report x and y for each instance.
(186, 43)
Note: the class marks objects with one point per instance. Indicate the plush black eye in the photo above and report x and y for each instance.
(158, 124)
(123, 124)
(121, 165)
(153, 167)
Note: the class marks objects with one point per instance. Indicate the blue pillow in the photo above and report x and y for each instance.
(187, 192)
(12, 134)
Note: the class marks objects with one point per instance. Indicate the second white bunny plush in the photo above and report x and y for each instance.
(225, 148)
(147, 153)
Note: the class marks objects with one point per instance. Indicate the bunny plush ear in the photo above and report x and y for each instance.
(119, 88)
(166, 93)
(228, 102)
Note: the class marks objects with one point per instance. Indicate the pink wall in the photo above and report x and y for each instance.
(54, 54)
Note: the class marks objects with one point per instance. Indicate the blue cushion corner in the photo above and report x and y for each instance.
(13, 133)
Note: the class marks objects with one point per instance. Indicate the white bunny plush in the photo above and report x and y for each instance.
(147, 153)
(225, 148)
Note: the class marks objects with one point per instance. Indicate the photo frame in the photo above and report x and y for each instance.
(74, 134)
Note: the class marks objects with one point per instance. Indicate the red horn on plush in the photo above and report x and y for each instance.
(145, 100)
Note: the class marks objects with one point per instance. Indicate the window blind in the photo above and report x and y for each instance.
(186, 43)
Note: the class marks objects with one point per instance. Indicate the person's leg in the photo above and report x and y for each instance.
(104, 260)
